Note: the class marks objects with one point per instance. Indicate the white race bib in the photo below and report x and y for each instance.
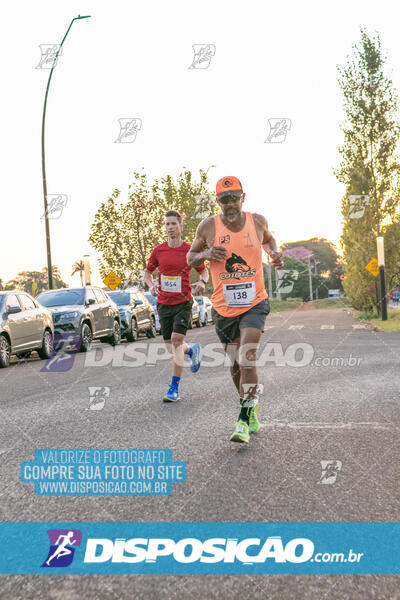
(171, 283)
(239, 294)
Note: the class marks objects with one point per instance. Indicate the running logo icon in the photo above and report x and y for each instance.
(63, 543)
(286, 279)
(128, 130)
(278, 129)
(357, 204)
(50, 54)
(97, 397)
(55, 205)
(329, 471)
(203, 54)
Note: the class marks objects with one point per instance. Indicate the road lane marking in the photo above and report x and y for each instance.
(320, 425)
(327, 327)
(358, 326)
(296, 327)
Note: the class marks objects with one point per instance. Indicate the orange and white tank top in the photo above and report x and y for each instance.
(238, 281)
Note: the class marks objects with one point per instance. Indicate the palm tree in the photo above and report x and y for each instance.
(78, 267)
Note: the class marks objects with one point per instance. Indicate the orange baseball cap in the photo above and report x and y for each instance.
(229, 185)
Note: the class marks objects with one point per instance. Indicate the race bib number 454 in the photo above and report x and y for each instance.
(239, 294)
(171, 283)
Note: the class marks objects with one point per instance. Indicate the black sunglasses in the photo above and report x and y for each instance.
(228, 199)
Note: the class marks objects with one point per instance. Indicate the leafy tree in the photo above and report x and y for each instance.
(191, 198)
(327, 262)
(369, 165)
(391, 235)
(124, 234)
(1, 285)
(324, 252)
(35, 282)
(301, 286)
(78, 267)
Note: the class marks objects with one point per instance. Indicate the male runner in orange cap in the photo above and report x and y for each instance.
(232, 242)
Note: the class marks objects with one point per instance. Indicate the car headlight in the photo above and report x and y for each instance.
(68, 316)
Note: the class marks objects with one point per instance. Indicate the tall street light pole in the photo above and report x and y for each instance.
(381, 263)
(46, 217)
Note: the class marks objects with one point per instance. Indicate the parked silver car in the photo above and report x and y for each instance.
(25, 325)
(81, 315)
(136, 312)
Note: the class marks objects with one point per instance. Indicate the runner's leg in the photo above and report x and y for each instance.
(231, 350)
(249, 341)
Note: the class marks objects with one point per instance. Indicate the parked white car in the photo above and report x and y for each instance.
(205, 307)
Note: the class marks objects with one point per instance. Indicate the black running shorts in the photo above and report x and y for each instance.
(174, 317)
(228, 328)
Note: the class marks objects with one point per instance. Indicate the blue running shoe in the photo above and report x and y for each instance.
(172, 395)
(195, 366)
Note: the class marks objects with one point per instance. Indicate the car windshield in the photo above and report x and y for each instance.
(119, 298)
(199, 300)
(152, 299)
(62, 298)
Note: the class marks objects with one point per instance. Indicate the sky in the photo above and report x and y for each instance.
(131, 60)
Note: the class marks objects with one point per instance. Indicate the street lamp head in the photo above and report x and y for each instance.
(85, 17)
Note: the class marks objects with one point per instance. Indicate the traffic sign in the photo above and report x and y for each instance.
(112, 280)
(373, 267)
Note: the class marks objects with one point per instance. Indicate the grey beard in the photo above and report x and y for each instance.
(232, 219)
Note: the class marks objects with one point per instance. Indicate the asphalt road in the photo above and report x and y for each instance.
(341, 405)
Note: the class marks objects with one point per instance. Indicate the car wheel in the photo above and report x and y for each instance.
(191, 322)
(86, 338)
(204, 323)
(115, 337)
(47, 348)
(152, 332)
(132, 332)
(5, 351)
(198, 323)
(24, 354)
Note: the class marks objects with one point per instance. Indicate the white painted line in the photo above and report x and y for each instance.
(320, 425)
(358, 326)
(296, 327)
(327, 327)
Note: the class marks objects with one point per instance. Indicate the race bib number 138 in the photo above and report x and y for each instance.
(239, 294)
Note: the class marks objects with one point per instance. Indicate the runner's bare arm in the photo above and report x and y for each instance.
(199, 252)
(148, 279)
(200, 285)
(204, 275)
(268, 241)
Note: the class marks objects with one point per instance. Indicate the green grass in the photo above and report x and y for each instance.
(392, 323)
(331, 303)
(282, 305)
(294, 303)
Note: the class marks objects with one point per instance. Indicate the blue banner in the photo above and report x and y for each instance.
(200, 548)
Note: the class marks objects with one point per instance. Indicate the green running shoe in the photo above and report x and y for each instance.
(241, 433)
(254, 423)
